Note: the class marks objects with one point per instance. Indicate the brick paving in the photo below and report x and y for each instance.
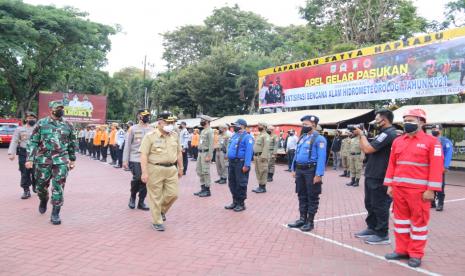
(101, 236)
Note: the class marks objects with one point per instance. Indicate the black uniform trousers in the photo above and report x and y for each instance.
(237, 180)
(185, 160)
(27, 175)
(120, 155)
(377, 204)
(441, 195)
(308, 193)
(290, 158)
(137, 186)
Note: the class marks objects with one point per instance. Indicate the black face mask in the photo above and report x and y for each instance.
(269, 132)
(59, 113)
(203, 123)
(306, 129)
(220, 131)
(31, 122)
(260, 129)
(410, 127)
(291, 134)
(237, 128)
(145, 119)
(435, 133)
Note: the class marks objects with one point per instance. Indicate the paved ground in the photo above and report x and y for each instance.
(101, 236)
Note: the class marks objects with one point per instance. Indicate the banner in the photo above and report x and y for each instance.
(420, 67)
(79, 108)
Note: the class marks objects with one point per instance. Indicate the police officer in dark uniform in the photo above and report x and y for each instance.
(308, 169)
(377, 202)
(240, 152)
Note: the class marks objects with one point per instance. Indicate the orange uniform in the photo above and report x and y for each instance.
(415, 165)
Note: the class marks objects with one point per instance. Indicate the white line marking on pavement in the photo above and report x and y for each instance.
(368, 253)
(364, 213)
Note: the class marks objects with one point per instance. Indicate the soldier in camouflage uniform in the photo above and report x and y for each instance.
(18, 145)
(274, 145)
(221, 154)
(51, 150)
(261, 150)
(205, 156)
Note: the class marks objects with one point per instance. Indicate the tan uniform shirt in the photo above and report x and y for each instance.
(274, 144)
(160, 148)
(206, 141)
(262, 145)
(345, 147)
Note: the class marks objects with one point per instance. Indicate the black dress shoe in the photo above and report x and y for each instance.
(222, 181)
(230, 206)
(439, 208)
(142, 206)
(132, 202)
(414, 262)
(307, 227)
(396, 256)
(297, 224)
(26, 194)
(43, 206)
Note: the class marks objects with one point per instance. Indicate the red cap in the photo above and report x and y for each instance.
(416, 112)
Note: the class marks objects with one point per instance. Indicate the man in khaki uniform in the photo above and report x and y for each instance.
(205, 156)
(345, 154)
(161, 165)
(221, 154)
(261, 151)
(274, 145)
(356, 161)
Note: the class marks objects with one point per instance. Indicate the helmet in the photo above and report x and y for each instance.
(416, 112)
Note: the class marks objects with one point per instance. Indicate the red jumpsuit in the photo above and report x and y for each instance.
(415, 165)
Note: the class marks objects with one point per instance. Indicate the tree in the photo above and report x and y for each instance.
(40, 45)
(365, 22)
(455, 13)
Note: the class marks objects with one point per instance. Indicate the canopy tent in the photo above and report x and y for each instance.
(190, 123)
(445, 114)
(328, 117)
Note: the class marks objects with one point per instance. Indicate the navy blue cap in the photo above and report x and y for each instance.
(241, 122)
(310, 118)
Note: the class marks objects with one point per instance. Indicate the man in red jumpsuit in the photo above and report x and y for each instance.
(413, 175)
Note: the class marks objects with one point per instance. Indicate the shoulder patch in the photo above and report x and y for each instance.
(250, 141)
(437, 151)
(322, 145)
(447, 145)
(381, 137)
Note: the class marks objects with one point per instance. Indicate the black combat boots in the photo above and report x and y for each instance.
(344, 174)
(300, 222)
(357, 182)
(132, 202)
(352, 182)
(43, 206)
(206, 192)
(55, 218)
(202, 189)
(270, 177)
(26, 194)
(240, 206)
(308, 226)
(260, 189)
(142, 206)
(222, 181)
(231, 206)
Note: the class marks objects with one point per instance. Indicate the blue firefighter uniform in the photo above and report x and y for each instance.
(448, 150)
(240, 153)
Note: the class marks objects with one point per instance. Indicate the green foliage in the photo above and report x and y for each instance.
(41, 46)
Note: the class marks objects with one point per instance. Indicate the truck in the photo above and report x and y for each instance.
(7, 128)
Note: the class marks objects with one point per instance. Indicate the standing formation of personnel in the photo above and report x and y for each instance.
(205, 150)
(274, 145)
(18, 146)
(356, 157)
(222, 154)
(261, 151)
(240, 154)
(184, 139)
(51, 152)
(131, 158)
(161, 166)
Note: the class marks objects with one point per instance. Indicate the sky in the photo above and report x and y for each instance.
(143, 21)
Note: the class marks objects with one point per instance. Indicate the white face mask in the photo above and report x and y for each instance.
(168, 128)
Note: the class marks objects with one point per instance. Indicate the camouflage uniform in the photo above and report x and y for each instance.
(274, 145)
(345, 156)
(51, 146)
